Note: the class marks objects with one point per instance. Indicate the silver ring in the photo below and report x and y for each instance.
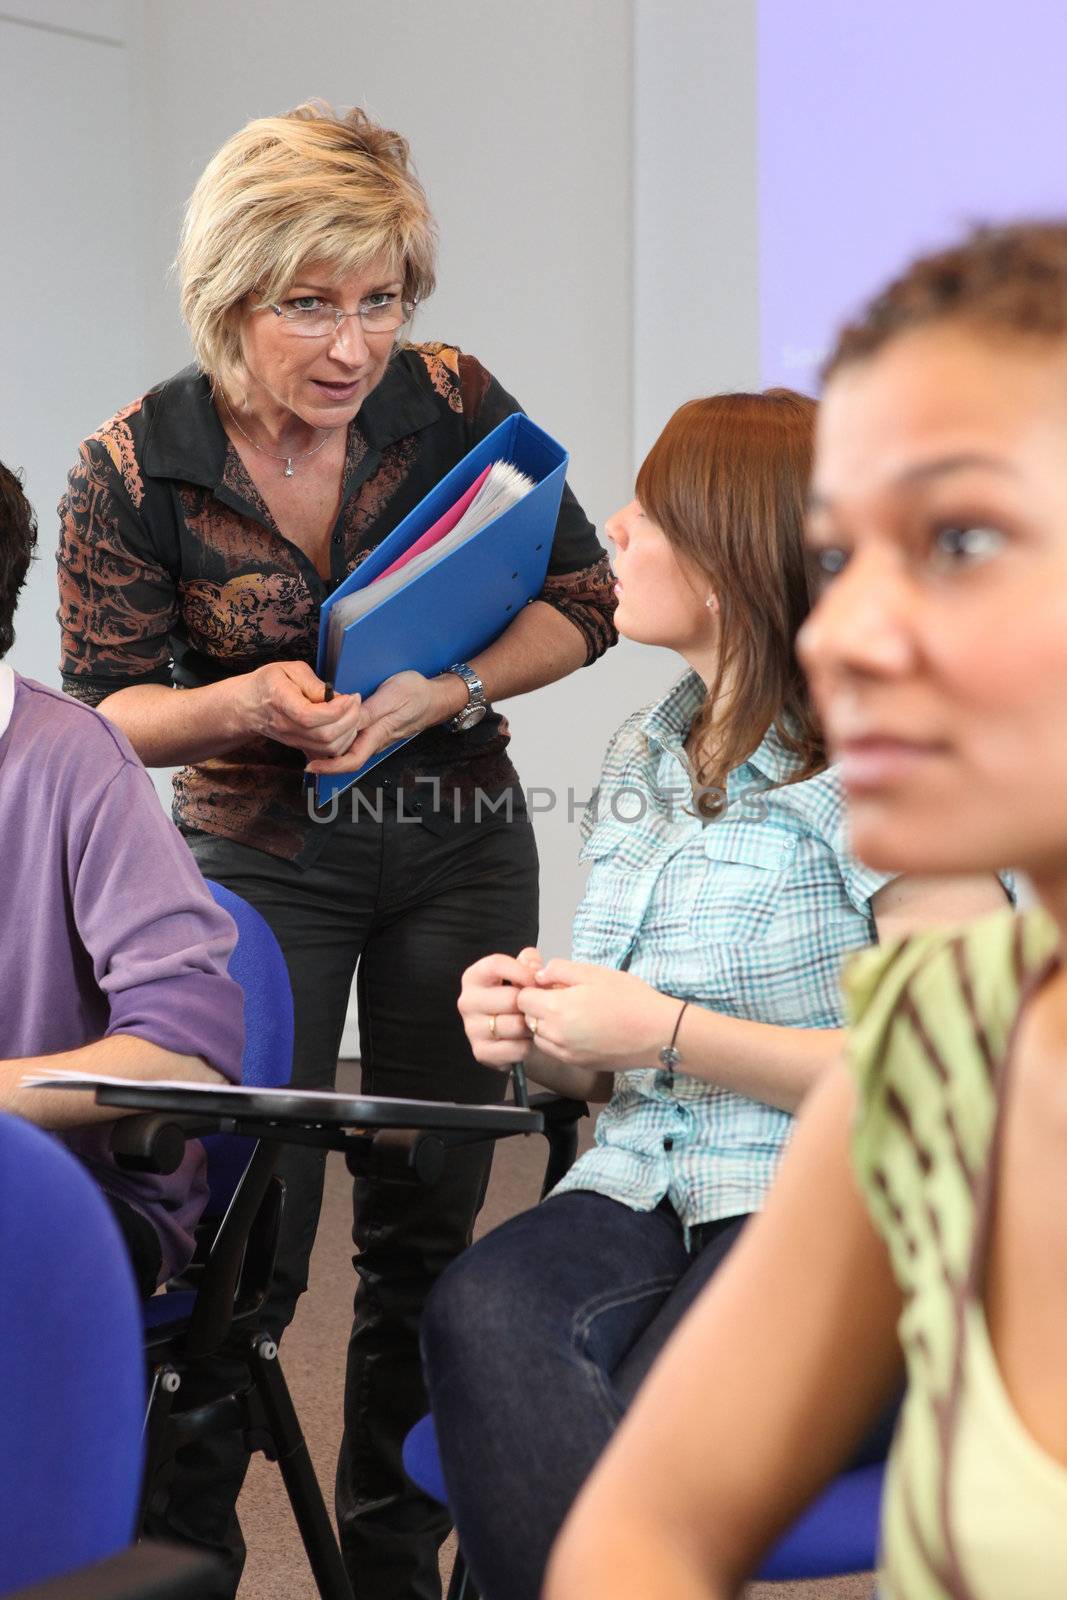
(492, 1025)
(532, 1025)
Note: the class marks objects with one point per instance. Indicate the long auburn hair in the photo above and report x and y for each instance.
(726, 481)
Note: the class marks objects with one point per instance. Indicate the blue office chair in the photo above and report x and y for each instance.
(238, 1171)
(216, 1307)
(836, 1535)
(71, 1371)
(73, 1385)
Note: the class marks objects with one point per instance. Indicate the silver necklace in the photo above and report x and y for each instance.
(288, 473)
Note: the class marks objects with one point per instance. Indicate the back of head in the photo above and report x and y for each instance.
(726, 481)
(18, 540)
(312, 185)
(1008, 282)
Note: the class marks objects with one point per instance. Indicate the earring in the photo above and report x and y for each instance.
(711, 603)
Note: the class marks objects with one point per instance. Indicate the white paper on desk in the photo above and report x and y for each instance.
(60, 1079)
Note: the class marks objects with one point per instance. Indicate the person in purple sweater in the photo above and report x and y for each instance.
(112, 952)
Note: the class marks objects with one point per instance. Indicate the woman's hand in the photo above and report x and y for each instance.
(596, 1017)
(399, 708)
(489, 1006)
(285, 701)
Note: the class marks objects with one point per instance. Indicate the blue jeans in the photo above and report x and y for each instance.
(534, 1342)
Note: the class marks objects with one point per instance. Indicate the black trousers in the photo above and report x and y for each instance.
(413, 900)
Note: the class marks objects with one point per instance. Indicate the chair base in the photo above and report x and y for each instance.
(264, 1412)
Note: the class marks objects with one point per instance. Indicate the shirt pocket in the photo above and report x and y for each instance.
(741, 894)
(606, 837)
(633, 844)
(624, 864)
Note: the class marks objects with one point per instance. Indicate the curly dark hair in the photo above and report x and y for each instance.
(18, 541)
(1006, 280)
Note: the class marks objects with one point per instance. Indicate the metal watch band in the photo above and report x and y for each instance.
(475, 709)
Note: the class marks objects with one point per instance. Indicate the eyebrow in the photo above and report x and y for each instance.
(328, 289)
(926, 470)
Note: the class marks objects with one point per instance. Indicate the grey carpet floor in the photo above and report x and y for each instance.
(313, 1356)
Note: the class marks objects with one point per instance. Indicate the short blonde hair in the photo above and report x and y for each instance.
(312, 185)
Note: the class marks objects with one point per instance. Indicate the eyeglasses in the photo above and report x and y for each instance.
(310, 317)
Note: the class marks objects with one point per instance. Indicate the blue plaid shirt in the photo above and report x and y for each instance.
(750, 914)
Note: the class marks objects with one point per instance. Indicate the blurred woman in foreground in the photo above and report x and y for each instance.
(922, 1209)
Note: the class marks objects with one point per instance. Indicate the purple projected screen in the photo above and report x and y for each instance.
(885, 129)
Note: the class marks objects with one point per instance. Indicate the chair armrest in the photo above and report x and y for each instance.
(403, 1154)
(557, 1109)
(562, 1116)
(149, 1571)
(155, 1141)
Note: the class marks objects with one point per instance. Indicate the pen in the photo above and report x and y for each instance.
(309, 777)
(519, 1089)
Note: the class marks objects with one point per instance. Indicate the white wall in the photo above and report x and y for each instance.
(696, 255)
(592, 170)
(72, 296)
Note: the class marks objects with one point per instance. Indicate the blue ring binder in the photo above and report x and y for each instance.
(463, 602)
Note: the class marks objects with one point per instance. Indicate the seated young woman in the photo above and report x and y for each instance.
(920, 1218)
(702, 1001)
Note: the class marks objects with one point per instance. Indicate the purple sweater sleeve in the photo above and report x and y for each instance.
(158, 943)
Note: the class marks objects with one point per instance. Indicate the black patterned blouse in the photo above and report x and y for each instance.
(172, 570)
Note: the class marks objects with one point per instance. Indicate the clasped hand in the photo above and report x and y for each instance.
(287, 702)
(583, 1015)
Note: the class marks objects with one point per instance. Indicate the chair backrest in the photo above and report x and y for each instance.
(72, 1377)
(259, 967)
(837, 1534)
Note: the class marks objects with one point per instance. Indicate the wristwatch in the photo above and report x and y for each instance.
(475, 709)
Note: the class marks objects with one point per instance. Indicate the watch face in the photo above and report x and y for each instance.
(470, 717)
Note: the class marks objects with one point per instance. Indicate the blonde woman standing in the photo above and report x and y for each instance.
(203, 527)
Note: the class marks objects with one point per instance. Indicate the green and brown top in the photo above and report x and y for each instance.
(970, 1499)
